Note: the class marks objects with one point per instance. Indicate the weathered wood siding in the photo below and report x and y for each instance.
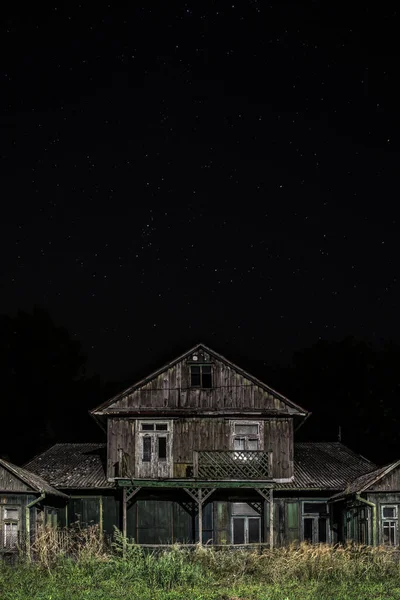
(10, 483)
(389, 483)
(278, 437)
(383, 499)
(215, 434)
(120, 435)
(171, 389)
(200, 434)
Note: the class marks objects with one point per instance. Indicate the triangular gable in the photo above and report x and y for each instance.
(385, 478)
(17, 479)
(9, 482)
(276, 401)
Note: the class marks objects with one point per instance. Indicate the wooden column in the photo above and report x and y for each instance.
(200, 496)
(271, 520)
(124, 529)
(268, 495)
(200, 517)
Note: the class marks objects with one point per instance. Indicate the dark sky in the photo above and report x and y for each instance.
(224, 172)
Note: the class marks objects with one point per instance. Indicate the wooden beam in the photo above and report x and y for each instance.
(193, 483)
(200, 518)
(124, 520)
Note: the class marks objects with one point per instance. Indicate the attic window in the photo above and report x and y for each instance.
(200, 376)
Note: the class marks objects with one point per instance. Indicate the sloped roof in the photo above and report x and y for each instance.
(325, 465)
(317, 465)
(219, 357)
(362, 483)
(34, 481)
(72, 466)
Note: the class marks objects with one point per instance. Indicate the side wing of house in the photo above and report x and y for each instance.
(369, 507)
(18, 490)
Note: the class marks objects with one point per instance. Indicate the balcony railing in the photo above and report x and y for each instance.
(232, 464)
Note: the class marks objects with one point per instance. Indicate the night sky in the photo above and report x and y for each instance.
(208, 171)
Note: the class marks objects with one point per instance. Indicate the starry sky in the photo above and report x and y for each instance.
(177, 172)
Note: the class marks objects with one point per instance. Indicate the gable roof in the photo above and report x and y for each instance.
(364, 482)
(295, 407)
(32, 480)
(72, 466)
(325, 465)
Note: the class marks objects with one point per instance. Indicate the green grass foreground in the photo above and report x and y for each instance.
(301, 572)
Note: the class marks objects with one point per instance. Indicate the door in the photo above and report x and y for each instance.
(315, 522)
(154, 450)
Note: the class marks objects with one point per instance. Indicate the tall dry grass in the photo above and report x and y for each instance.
(299, 562)
(51, 545)
(167, 567)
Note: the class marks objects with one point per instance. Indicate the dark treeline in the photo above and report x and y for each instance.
(46, 391)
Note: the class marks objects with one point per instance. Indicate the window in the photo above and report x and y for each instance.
(390, 524)
(200, 376)
(246, 524)
(315, 522)
(246, 436)
(146, 448)
(154, 426)
(51, 517)
(10, 527)
(162, 448)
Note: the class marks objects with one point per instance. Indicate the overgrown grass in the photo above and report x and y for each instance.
(77, 565)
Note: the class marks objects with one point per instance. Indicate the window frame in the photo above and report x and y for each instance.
(391, 522)
(10, 521)
(259, 436)
(201, 366)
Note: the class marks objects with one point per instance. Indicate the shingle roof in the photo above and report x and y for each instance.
(325, 465)
(72, 466)
(317, 465)
(37, 483)
(362, 483)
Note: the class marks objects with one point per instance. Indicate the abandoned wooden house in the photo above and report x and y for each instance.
(202, 451)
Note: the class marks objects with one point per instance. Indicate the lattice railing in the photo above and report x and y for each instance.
(232, 464)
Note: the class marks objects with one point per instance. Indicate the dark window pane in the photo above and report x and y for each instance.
(147, 426)
(389, 512)
(238, 531)
(146, 449)
(206, 369)
(246, 429)
(322, 530)
(308, 527)
(195, 377)
(389, 532)
(161, 427)
(162, 448)
(238, 444)
(206, 380)
(252, 444)
(254, 531)
(318, 508)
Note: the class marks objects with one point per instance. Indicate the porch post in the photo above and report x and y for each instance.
(124, 530)
(271, 519)
(200, 517)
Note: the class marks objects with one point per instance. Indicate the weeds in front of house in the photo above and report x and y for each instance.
(76, 564)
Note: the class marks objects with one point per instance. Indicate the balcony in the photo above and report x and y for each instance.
(232, 465)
